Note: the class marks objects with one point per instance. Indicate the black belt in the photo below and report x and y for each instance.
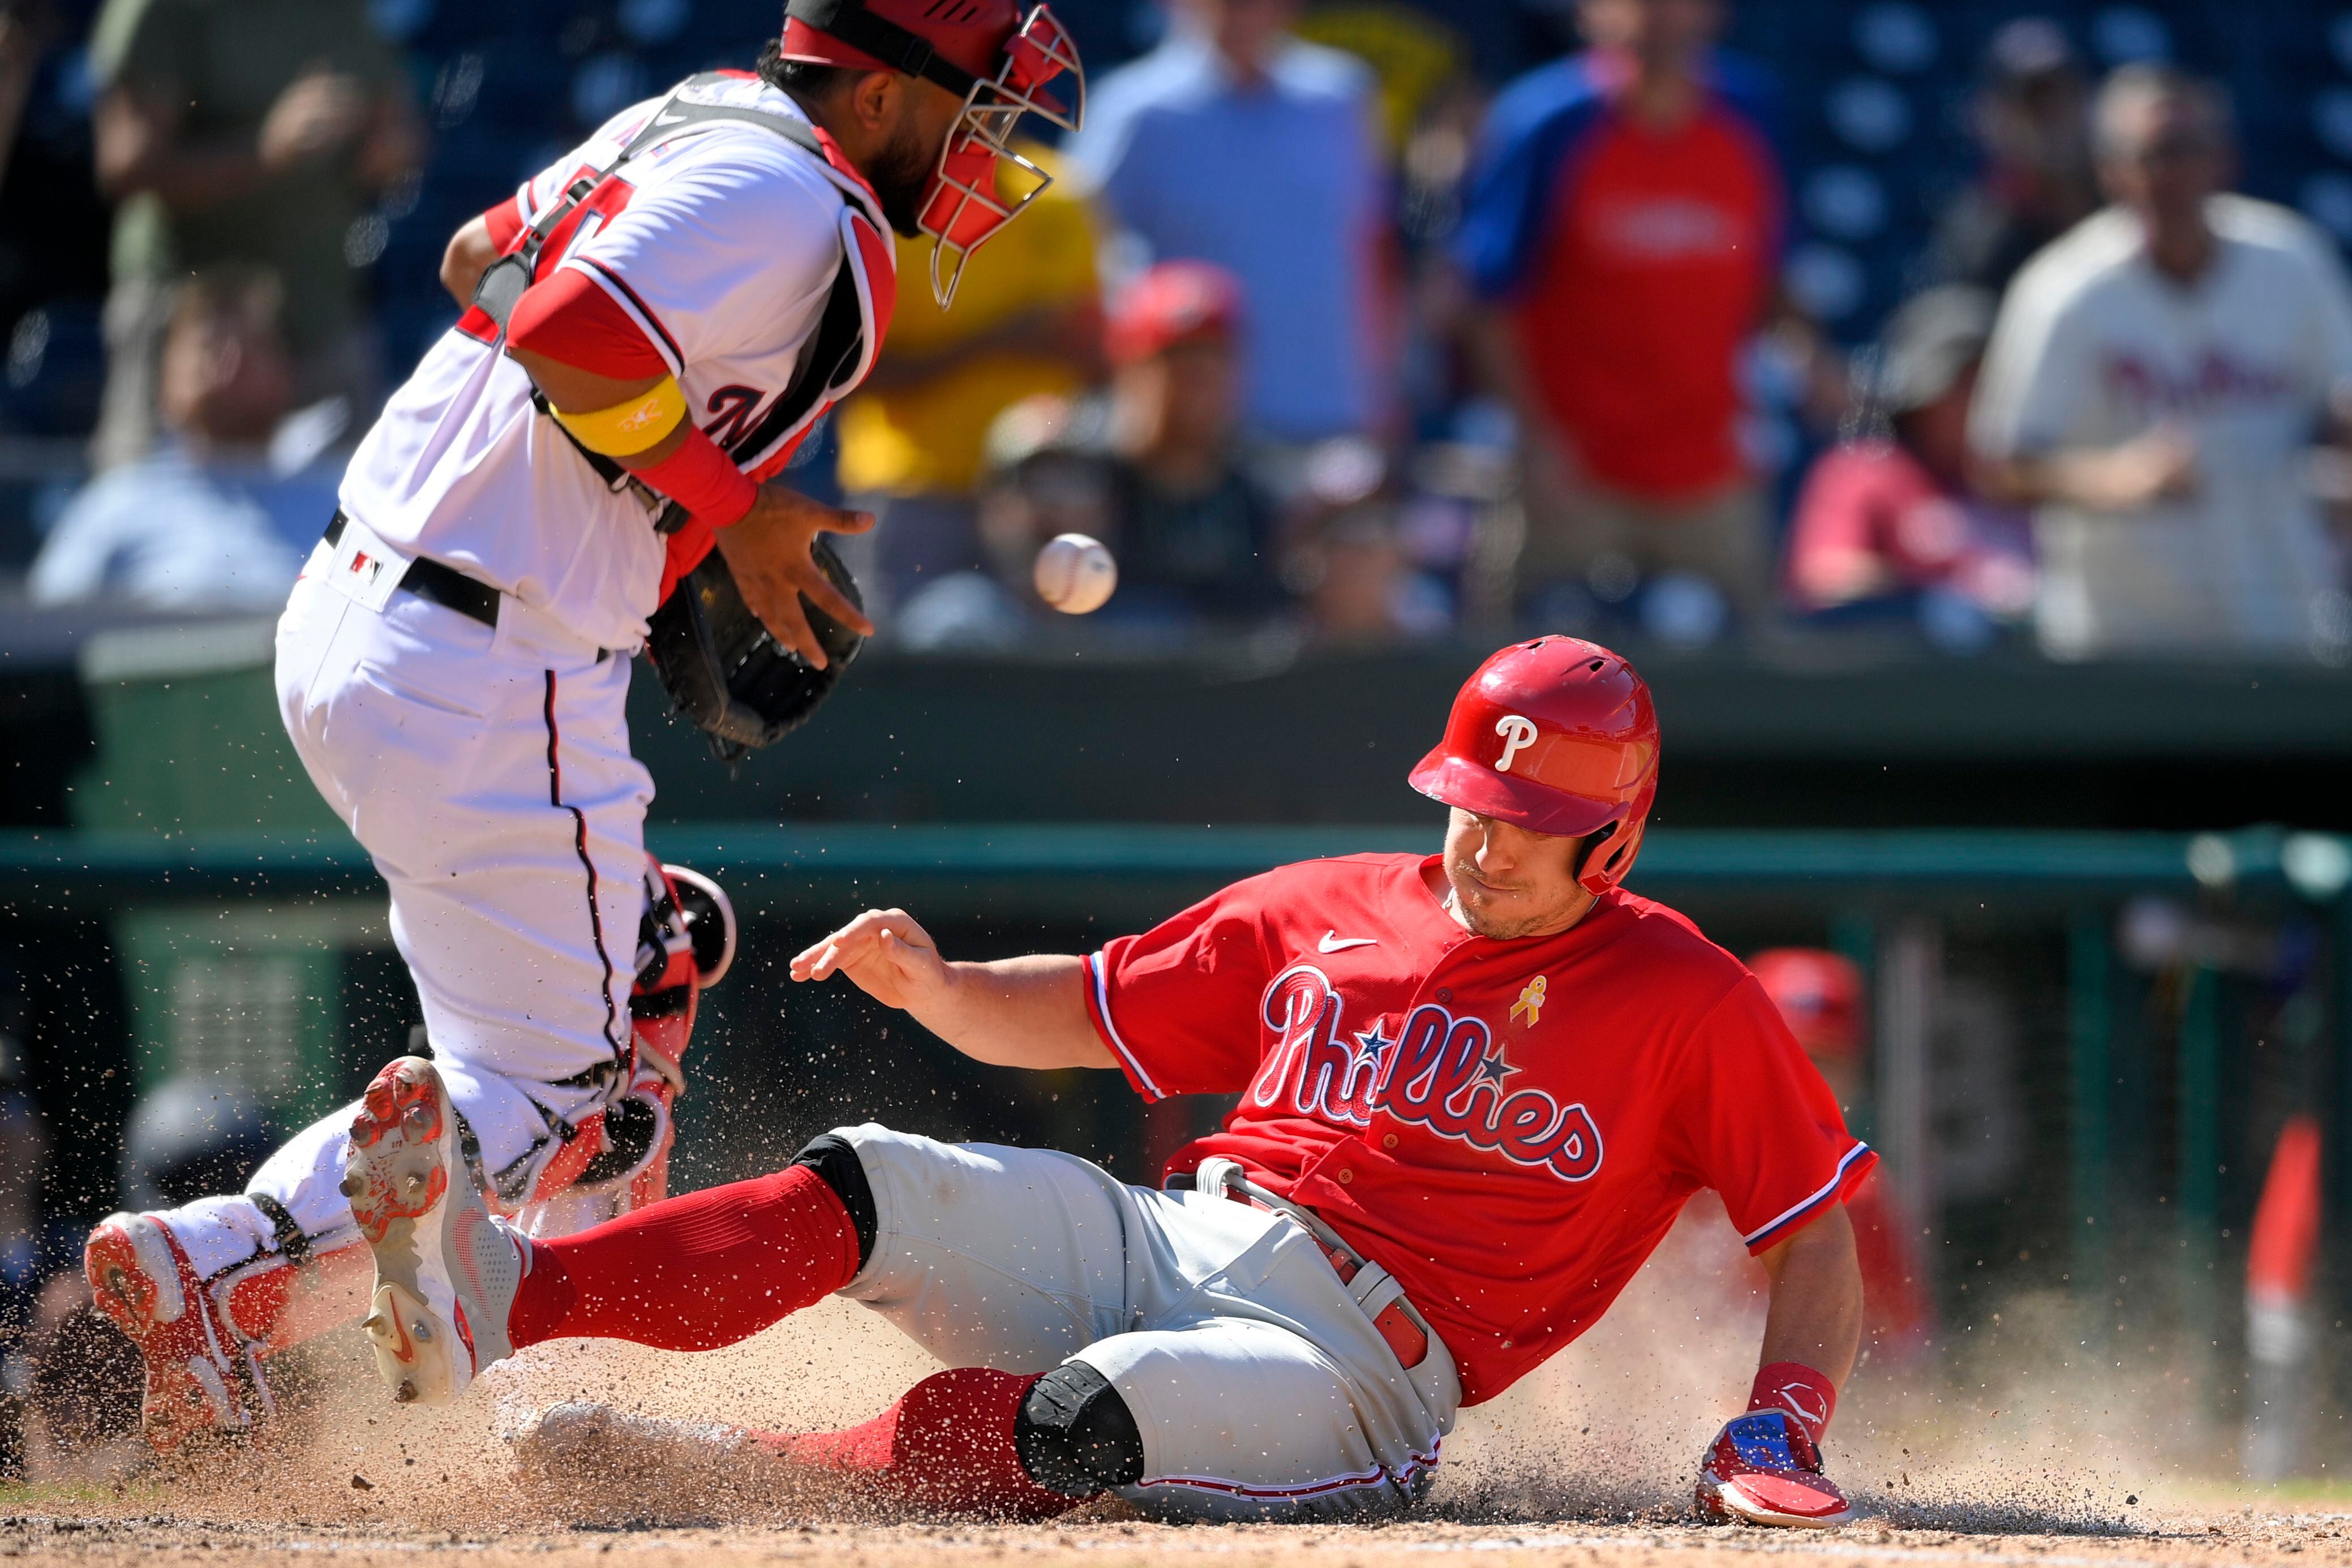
(437, 584)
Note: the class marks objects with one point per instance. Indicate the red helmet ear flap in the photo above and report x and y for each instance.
(1611, 854)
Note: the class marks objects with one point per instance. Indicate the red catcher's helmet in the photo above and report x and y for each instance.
(1557, 736)
(991, 54)
(1820, 996)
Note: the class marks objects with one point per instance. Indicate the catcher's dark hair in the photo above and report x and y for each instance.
(804, 79)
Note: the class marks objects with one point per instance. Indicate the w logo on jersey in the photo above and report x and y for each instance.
(1441, 1071)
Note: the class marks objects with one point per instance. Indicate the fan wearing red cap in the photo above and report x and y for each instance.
(1475, 1088)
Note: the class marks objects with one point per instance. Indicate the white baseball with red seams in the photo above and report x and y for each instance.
(1074, 574)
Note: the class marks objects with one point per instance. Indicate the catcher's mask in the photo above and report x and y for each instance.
(993, 56)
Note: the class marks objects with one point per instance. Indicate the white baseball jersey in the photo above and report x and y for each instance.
(2094, 347)
(723, 245)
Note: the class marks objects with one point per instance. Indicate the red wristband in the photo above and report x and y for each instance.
(704, 480)
(1797, 1388)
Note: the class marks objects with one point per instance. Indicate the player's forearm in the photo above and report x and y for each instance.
(2032, 481)
(142, 151)
(1016, 1012)
(1815, 1318)
(2102, 479)
(470, 252)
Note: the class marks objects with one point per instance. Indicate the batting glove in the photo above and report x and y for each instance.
(1763, 1469)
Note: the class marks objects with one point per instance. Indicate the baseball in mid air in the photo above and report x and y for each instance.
(1074, 574)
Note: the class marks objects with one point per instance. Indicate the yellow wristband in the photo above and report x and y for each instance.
(625, 429)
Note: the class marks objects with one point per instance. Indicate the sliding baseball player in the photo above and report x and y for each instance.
(1475, 1089)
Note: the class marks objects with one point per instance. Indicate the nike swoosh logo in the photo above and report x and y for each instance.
(1334, 943)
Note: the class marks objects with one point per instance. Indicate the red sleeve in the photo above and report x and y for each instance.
(683, 551)
(1179, 1005)
(505, 224)
(1833, 538)
(1759, 1124)
(567, 317)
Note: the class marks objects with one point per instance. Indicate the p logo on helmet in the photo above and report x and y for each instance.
(1517, 734)
(1579, 756)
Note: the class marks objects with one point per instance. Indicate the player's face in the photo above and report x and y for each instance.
(1666, 34)
(902, 173)
(1507, 881)
(2163, 158)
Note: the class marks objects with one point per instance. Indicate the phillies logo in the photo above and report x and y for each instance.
(1448, 1074)
(1319, 1076)
(1517, 734)
(1443, 1073)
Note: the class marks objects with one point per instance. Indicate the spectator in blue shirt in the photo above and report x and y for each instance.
(1237, 145)
(206, 521)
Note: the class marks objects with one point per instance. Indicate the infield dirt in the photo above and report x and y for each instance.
(2024, 1445)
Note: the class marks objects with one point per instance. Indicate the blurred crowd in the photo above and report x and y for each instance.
(1342, 323)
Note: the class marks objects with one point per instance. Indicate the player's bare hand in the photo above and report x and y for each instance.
(768, 551)
(2161, 465)
(886, 955)
(319, 113)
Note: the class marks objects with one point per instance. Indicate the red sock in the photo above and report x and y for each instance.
(947, 1446)
(693, 1272)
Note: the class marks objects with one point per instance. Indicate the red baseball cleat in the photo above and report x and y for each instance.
(1763, 1469)
(200, 1375)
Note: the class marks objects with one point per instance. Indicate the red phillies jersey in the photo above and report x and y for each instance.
(1661, 253)
(1507, 1128)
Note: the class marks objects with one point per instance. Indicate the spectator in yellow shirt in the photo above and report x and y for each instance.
(1027, 320)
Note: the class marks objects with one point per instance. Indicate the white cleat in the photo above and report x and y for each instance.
(445, 1269)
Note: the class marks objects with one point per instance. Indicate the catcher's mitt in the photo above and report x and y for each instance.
(738, 686)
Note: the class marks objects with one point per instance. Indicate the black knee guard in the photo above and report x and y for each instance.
(1075, 1436)
(836, 1165)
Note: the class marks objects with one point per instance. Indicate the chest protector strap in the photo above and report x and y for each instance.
(829, 364)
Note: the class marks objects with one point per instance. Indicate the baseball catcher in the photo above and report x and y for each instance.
(1475, 1089)
(652, 325)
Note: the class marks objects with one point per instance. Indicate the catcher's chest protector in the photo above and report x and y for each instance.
(724, 673)
(849, 335)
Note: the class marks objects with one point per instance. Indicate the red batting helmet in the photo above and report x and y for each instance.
(990, 53)
(1819, 995)
(1557, 736)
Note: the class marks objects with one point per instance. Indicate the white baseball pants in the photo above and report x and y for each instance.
(487, 774)
(1261, 1388)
